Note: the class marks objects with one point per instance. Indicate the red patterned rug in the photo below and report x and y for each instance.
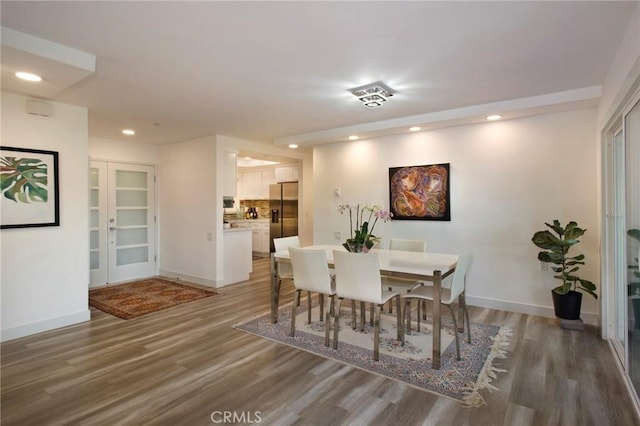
(143, 297)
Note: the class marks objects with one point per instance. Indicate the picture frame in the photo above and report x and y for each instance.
(420, 192)
(29, 188)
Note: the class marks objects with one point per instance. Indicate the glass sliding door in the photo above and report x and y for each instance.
(632, 237)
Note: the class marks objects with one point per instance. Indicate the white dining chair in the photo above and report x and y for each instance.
(284, 271)
(448, 297)
(398, 284)
(357, 277)
(311, 274)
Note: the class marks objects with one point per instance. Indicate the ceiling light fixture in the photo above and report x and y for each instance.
(414, 128)
(353, 137)
(494, 117)
(293, 145)
(28, 76)
(128, 132)
(373, 95)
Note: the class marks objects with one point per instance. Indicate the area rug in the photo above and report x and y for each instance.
(143, 297)
(460, 380)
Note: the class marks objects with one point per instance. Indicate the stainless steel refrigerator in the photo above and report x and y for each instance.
(283, 204)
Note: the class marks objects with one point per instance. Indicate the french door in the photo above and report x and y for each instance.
(122, 222)
(621, 237)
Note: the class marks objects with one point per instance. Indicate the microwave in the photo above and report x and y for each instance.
(228, 202)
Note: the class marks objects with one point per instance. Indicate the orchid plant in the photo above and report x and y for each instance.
(363, 239)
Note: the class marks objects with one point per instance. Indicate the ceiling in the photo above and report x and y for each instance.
(278, 72)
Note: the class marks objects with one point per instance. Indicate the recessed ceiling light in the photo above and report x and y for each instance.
(293, 145)
(28, 76)
(129, 132)
(494, 117)
(353, 137)
(414, 128)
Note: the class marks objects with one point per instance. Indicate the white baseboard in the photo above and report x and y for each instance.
(40, 326)
(190, 278)
(523, 308)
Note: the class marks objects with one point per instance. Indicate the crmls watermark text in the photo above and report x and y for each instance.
(247, 417)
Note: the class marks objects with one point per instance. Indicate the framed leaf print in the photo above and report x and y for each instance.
(29, 193)
(420, 192)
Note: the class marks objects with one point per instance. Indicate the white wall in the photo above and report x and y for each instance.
(126, 151)
(187, 205)
(45, 272)
(622, 72)
(507, 179)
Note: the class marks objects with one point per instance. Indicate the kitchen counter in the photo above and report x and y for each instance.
(259, 220)
(237, 259)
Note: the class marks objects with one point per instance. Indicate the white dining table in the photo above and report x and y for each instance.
(421, 266)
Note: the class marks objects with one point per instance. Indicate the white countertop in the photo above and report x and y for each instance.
(237, 230)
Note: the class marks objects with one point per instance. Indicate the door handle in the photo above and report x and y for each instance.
(114, 228)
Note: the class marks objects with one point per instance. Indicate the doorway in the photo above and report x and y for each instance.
(122, 222)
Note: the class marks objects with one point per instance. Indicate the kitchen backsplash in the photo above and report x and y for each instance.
(261, 206)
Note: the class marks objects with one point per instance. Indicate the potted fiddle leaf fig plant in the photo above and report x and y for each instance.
(555, 244)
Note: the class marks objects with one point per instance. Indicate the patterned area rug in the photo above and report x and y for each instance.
(460, 380)
(143, 297)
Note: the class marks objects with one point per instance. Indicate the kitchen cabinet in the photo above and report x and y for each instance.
(255, 184)
(229, 174)
(260, 237)
(259, 233)
(287, 174)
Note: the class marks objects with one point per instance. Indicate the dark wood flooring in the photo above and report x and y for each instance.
(186, 364)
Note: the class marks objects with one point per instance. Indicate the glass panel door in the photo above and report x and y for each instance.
(131, 222)
(97, 223)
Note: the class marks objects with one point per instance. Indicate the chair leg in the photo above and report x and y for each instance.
(296, 299)
(424, 310)
(327, 327)
(362, 318)
(420, 306)
(399, 319)
(332, 306)
(455, 331)
(466, 314)
(336, 324)
(371, 315)
(376, 334)
(353, 314)
(321, 303)
(407, 316)
(308, 307)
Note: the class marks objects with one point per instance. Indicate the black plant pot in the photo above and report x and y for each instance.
(567, 306)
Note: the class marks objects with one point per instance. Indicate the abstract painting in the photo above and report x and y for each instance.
(420, 192)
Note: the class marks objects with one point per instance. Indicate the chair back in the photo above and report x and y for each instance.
(358, 276)
(310, 270)
(282, 244)
(408, 245)
(458, 283)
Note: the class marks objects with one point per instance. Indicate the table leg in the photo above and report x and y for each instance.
(437, 285)
(274, 290)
